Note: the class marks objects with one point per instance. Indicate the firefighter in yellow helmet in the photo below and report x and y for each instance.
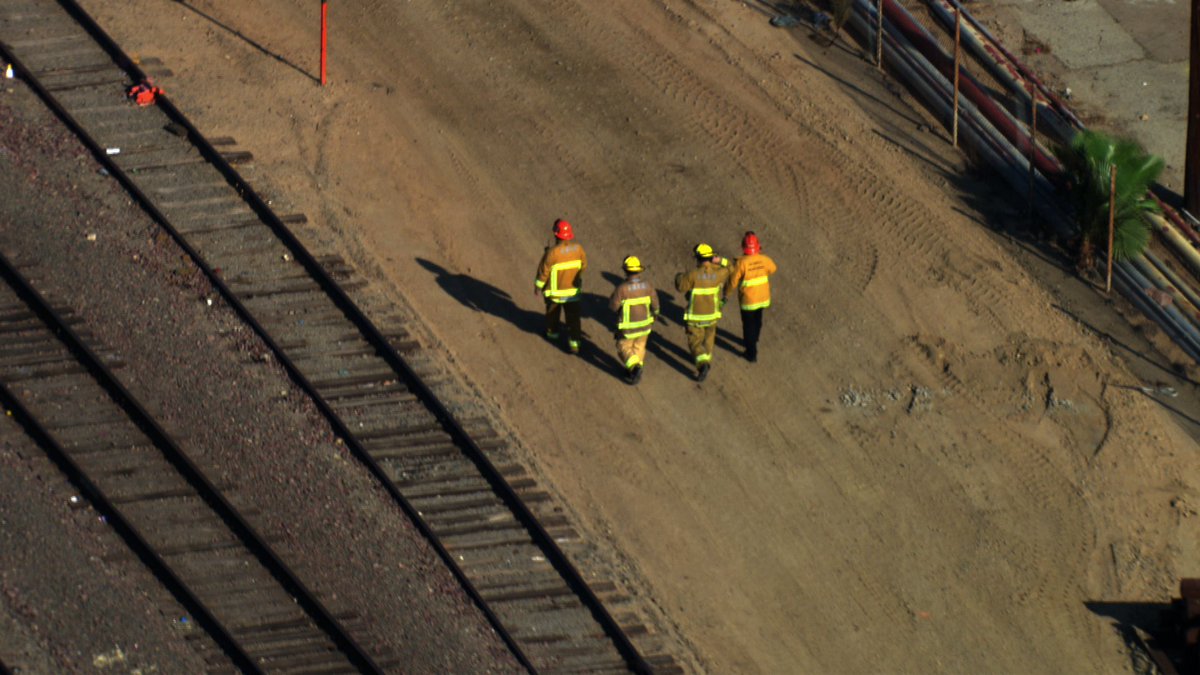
(636, 305)
(559, 281)
(750, 278)
(704, 287)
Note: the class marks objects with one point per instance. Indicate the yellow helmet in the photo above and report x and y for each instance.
(703, 251)
(631, 264)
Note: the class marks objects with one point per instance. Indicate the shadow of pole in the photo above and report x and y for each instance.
(244, 38)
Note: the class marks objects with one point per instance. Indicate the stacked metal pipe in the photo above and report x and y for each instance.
(1002, 141)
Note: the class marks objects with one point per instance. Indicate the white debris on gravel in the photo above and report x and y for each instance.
(914, 398)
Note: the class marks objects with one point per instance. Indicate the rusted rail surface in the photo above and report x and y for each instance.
(177, 522)
(484, 516)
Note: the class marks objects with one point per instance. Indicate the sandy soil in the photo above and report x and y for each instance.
(931, 468)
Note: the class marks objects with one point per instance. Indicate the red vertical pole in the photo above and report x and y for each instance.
(324, 37)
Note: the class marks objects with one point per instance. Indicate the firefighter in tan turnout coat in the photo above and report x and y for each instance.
(559, 281)
(636, 305)
(704, 287)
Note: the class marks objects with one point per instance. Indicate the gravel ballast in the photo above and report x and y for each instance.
(214, 387)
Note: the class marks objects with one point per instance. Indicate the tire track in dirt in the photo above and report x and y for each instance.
(733, 131)
(1052, 489)
(922, 244)
(904, 224)
(752, 145)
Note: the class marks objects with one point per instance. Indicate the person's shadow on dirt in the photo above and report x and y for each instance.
(484, 297)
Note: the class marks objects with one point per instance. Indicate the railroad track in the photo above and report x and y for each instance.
(176, 521)
(476, 506)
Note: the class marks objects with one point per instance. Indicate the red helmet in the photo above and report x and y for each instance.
(750, 244)
(562, 230)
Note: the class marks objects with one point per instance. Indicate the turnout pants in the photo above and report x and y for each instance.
(701, 338)
(571, 309)
(632, 351)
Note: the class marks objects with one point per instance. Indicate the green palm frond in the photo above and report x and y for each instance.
(1087, 162)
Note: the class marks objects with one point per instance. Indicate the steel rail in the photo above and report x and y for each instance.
(253, 542)
(99, 500)
(371, 333)
(289, 366)
(127, 531)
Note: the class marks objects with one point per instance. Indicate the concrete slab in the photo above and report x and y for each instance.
(1082, 34)
(1160, 27)
(1103, 50)
(1146, 100)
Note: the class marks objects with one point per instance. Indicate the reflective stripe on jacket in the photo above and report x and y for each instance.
(750, 278)
(638, 305)
(560, 274)
(703, 286)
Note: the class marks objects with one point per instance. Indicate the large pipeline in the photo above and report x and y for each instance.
(1186, 331)
(977, 130)
(1176, 281)
(1014, 132)
(1014, 74)
(1000, 142)
(1151, 309)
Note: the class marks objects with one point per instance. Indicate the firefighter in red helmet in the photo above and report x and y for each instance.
(559, 281)
(750, 277)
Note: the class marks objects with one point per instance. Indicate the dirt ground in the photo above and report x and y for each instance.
(932, 467)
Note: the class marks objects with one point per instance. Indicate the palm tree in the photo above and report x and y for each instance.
(1087, 162)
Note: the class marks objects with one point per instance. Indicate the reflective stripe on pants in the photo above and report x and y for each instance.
(700, 341)
(571, 310)
(632, 351)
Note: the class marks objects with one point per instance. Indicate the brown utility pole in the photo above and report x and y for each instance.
(1112, 213)
(1191, 160)
(879, 34)
(957, 67)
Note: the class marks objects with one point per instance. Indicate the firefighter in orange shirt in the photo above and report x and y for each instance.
(704, 288)
(559, 280)
(750, 278)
